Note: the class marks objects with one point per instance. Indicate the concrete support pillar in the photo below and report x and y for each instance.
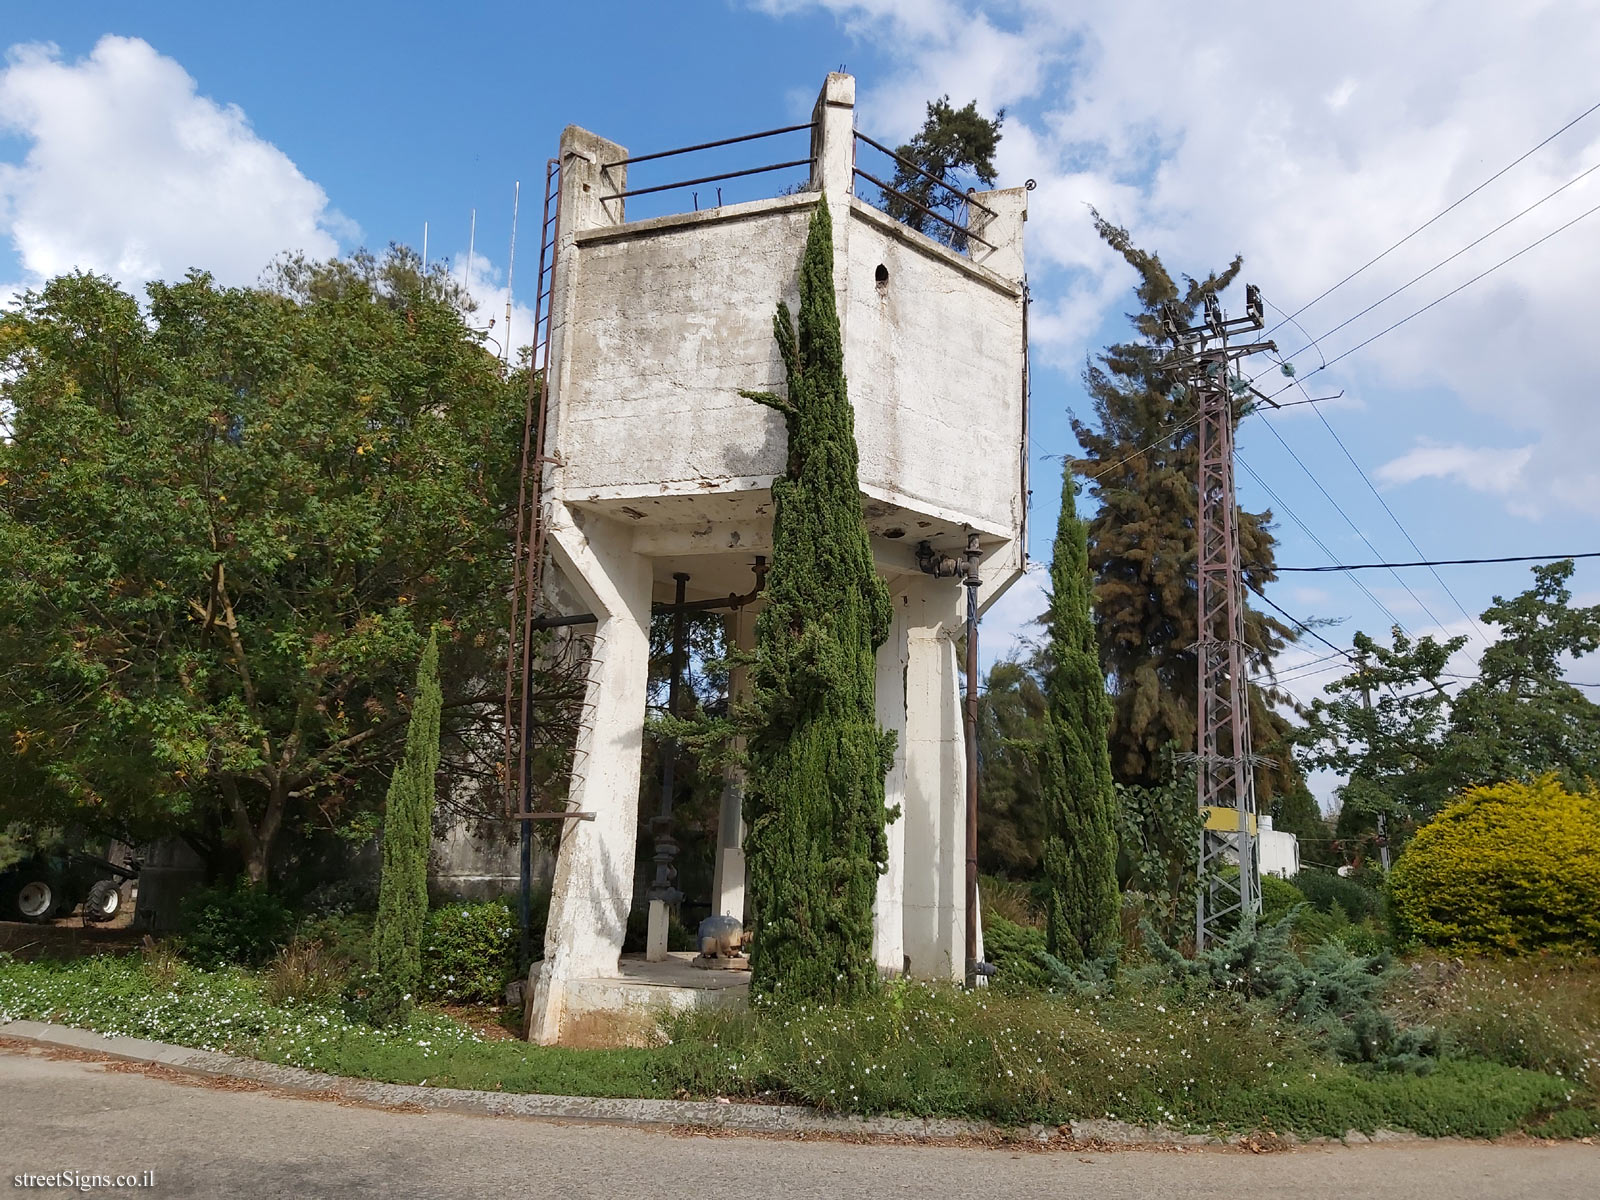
(888, 916)
(727, 884)
(593, 887)
(935, 783)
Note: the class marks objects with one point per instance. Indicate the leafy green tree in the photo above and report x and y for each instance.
(407, 838)
(1141, 463)
(1407, 747)
(1158, 838)
(228, 527)
(956, 147)
(1011, 725)
(1295, 811)
(814, 799)
(1383, 727)
(1520, 718)
(1080, 849)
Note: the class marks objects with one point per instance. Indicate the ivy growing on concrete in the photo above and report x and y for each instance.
(407, 837)
(1080, 848)
(814, 799)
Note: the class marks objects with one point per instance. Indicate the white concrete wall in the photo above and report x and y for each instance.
(934, 361)
(888, 924)
(670, 322)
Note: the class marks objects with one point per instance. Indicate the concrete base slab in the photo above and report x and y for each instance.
(625, 1009)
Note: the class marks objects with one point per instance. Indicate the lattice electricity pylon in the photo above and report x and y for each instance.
(1224, 763)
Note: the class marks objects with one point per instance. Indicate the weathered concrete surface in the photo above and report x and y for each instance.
(205, 1143)
(657, 465)
(593, 885)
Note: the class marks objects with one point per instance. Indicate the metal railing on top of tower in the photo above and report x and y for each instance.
(715, 177)
(952, 225)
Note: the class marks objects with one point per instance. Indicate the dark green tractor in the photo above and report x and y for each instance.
(45, 886)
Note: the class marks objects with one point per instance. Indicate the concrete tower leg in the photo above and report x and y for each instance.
(935, 783)
(888, 924)
(727, 884)
(593, 885)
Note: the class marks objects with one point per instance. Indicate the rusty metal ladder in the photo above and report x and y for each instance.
(529, 552)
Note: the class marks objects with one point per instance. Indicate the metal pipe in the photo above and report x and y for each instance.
(743, 137)
(926, 211)
(974, 967)
(733, 599)
(905, 162)
(667, 187)
(559, 622)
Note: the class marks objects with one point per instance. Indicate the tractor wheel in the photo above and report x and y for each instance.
(35, 899)
(103, 902)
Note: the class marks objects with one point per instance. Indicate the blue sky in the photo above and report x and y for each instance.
(214, 136)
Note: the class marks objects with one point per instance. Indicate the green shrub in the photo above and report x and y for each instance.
(1328, 889)
(1511, 868)
(1016, 901)
(1279, 898)
(1540, 1012)
(1332, 994)
(346, 939)
(469, 951)
(234, 923)
(303, 972)
(1014, 951)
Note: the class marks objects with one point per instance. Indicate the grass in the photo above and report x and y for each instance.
(912, 1049)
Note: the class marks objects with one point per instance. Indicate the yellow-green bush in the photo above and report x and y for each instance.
(1513, 868)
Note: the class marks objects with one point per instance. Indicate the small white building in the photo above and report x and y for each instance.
(657, 465)
(1277, 852)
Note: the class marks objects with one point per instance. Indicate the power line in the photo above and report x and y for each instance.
(1454, 599)
(1446, 261)
(1323, 546)
(1442, 213)
(1303, 626)
(1443, 562)
(1434, 303)
(1348, 521)
(1393, 516)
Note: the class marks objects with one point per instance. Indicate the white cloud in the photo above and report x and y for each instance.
(1482, 468)
(1307, 138)
(130, 172)
(1012, 621)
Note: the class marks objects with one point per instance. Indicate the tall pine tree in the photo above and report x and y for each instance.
(1141, 461)
(1080, 848)
(407, 838)
(814, 799)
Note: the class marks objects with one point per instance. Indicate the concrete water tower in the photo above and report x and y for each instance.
(655, 466)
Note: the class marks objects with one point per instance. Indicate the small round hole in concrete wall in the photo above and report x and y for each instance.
(894, 533)
(881, 275)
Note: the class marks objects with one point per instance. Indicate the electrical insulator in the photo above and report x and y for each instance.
(1252, 304)
(1214, 315)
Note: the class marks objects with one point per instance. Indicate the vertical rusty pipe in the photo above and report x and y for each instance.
(971, 723)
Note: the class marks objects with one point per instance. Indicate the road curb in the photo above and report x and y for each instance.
(787, 1120)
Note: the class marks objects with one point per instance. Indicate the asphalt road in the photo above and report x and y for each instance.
(204, 1141)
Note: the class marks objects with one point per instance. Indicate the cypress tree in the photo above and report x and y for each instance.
(407, 837)
(1080, 848)
(814, 802)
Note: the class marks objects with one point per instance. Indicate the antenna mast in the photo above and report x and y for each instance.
(511, 265)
